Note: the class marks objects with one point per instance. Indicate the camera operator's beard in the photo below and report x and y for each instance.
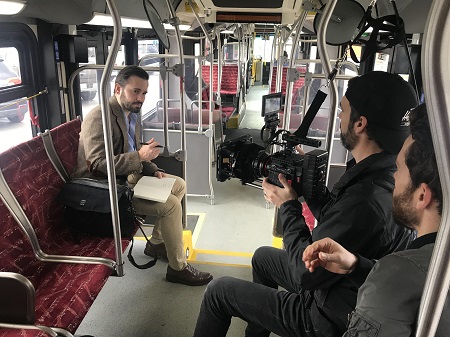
(349, 139)
(402, 210)
(129, 105)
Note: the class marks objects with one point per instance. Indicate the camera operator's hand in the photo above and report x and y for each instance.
(277, 195)
(149, 150)
(299, 150)
(330, 255)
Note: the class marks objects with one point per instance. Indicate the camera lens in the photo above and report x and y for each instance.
(260, 163)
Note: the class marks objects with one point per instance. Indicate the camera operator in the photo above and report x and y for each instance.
(356, 213)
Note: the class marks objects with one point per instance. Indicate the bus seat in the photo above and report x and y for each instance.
(17, 299)
(64, 291)
(205, 75)
(296, 86)
(228, 86)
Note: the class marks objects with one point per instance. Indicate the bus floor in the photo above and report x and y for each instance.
(142, 303)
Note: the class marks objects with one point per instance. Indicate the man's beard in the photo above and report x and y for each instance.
(402, 210)
(349, 140)
(129, 105)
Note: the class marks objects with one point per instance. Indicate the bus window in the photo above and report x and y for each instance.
(145, 50)
(88, 84)
(14, 118)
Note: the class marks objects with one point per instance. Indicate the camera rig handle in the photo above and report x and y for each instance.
(302, 130)
(293, 140)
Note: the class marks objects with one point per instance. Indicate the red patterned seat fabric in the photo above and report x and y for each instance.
(205, 75)
(64, 292)
(228, 85)
(227, 111)
(296, 87)
(229, 82)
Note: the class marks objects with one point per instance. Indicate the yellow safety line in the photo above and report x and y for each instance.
(198, 227)
(199, 224)
(222, 264)
(277, 242)
(223, 253)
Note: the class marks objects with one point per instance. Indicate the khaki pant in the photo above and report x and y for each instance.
(168, 227)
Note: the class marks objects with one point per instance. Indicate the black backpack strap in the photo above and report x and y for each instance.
(390, 23)
(131, 258)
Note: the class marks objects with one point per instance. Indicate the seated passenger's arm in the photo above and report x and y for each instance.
(329, 254)
(389, 300)
(346, 225)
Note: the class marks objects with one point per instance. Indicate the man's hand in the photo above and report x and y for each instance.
(159, 174)
(277, 195)
(330, 255)
(150, 151)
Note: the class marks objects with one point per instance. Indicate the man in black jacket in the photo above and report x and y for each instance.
(385, 308)
(356, 213)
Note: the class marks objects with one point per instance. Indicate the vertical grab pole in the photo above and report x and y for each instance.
(219, 70)
(280, 44)
(211, 103)
(272, 60)
(176, 24)
(321, 43)
(106, 119)
(297, 27)
(436, 72)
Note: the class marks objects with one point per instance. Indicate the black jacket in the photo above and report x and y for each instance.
(357, 214)
(385, 308)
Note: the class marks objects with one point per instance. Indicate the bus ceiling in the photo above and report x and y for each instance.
(76, 12)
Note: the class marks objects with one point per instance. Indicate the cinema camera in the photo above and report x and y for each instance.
(241, 158)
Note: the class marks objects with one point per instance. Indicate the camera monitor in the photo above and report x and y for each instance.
(271, 104)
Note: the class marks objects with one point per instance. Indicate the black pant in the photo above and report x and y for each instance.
(260, 303)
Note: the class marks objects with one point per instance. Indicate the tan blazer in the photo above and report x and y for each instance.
(91, 162)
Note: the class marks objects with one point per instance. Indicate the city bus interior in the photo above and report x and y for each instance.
(214, 66)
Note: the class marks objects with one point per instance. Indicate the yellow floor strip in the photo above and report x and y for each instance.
(190, 240)
(222, 253)
(198, 227)
(223, 264)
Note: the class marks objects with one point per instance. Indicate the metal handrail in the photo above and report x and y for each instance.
(298, 25)
(436, 73)
(10, 201)
(175, 23)
(322, 28)
(347, 63)
(107, 134)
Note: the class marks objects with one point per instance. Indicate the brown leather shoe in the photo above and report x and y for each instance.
(188, 276)
(153, 250)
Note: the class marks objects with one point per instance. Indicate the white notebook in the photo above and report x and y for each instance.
(152, 188)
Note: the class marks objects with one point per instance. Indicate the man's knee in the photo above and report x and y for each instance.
(218, 286)
(172, 205)
(260, 254)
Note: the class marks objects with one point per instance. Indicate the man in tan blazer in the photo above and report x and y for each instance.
(132, 161)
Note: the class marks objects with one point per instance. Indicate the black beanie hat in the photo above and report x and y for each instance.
(383, 98)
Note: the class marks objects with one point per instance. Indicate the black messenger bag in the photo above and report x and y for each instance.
(88, 209)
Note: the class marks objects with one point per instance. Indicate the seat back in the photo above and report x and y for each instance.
(229, 79)
(17, 294)
(205, 75)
